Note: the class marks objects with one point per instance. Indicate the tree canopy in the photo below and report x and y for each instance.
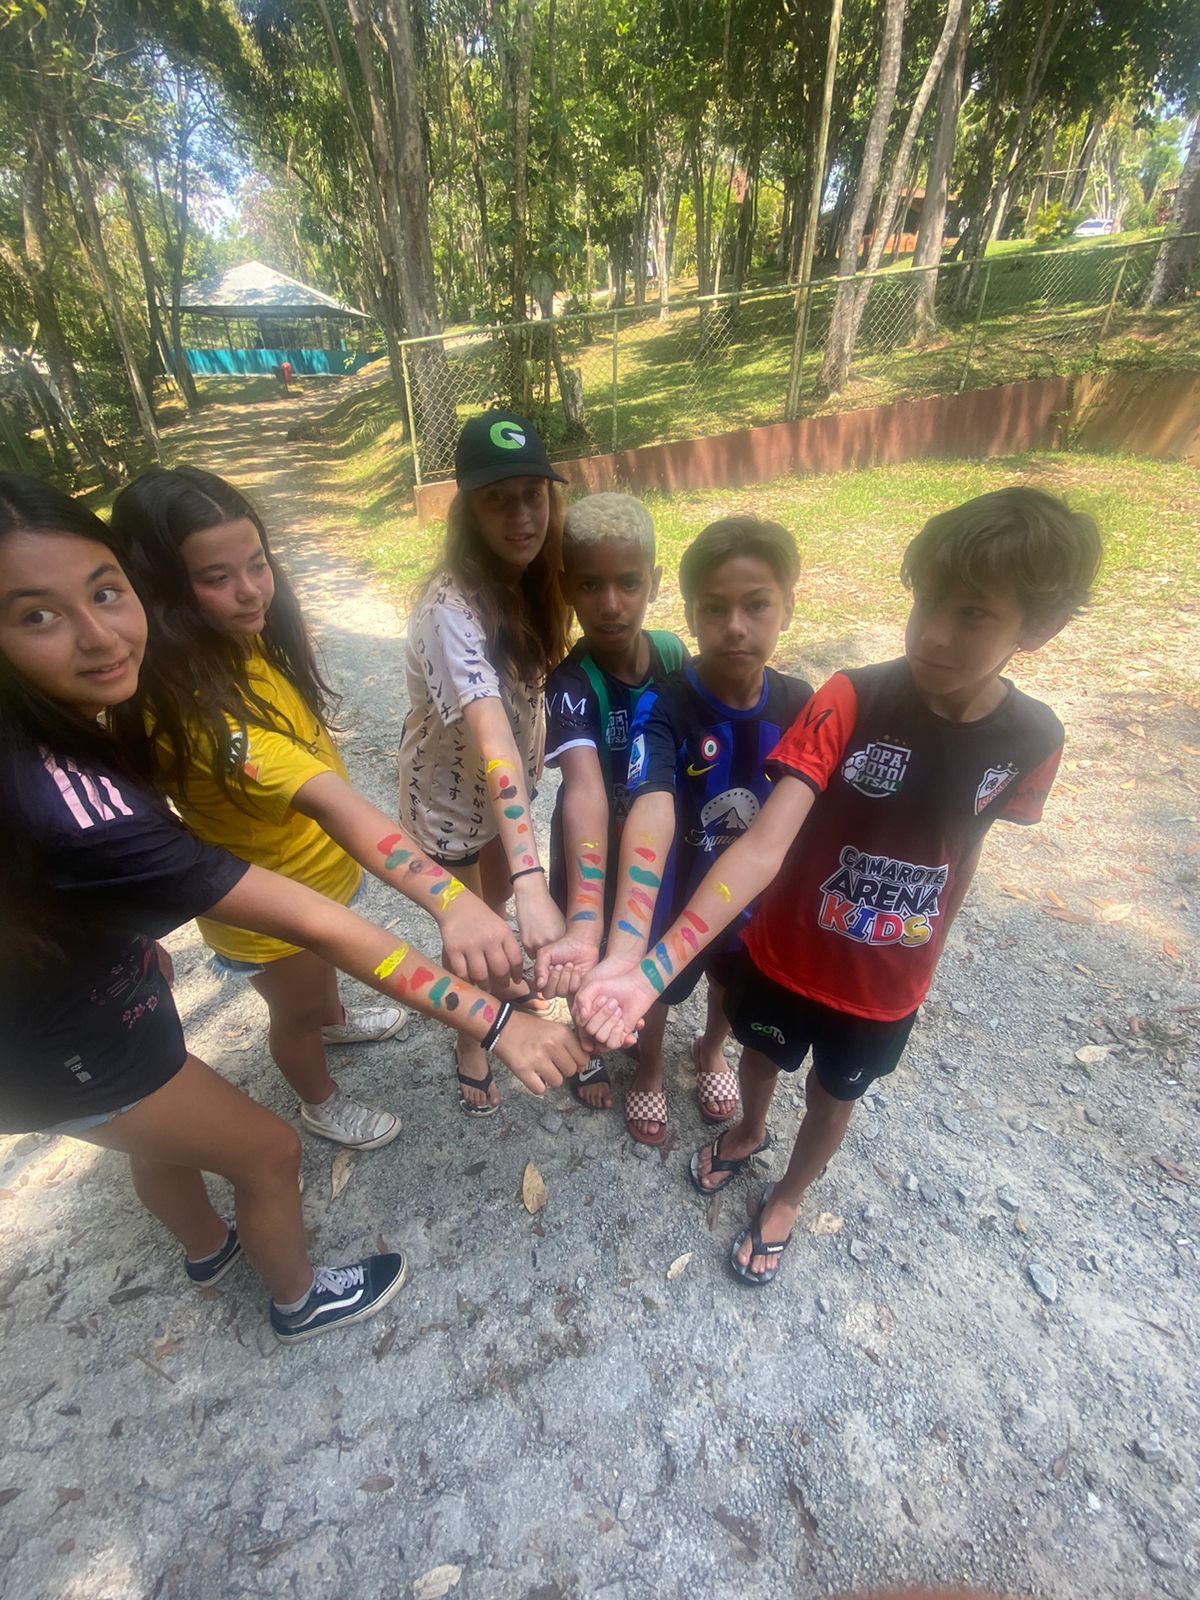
(440, 161)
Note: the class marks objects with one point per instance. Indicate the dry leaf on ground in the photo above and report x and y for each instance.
(678, 1265)
(825, 1223)
(377, 1483)
(1173, 1169)
(1079, 917)
(533, 1190)
(1115, 913)
(1090, 1054)
(435, 1583)
(343, 1166)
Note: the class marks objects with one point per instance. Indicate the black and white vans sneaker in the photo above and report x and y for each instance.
(342, 1295)
(214, 1267)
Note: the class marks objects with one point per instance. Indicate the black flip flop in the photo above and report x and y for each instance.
(758, 1247)
(483, 1085)
(731, 1169)
(594, 1072)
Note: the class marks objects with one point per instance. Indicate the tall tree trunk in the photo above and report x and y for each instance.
(177, 237)
(887, 206)
(158, 340)
(701, 215)
(748, 209)
(900, 220)
(843, 324)
(930, 234)
(663, 238)
(386, 291)
(1055, 16)
(1079, 178)
(1175, 270)
(93, 447)
(396, 145)
(92, 235)
(641, 223)
(817, 151)
(521, 89)
(1041, 188)
(820, 149)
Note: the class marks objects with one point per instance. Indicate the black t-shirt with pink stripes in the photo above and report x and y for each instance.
(858, 915)
(94, 1029)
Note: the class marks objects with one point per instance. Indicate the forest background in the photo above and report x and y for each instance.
(494, 161)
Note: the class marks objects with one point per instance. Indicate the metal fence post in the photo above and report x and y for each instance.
(412, 421)
(615, 328)
(962, 381)
(1112, 299)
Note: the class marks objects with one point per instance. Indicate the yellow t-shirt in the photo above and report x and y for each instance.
(262, 826)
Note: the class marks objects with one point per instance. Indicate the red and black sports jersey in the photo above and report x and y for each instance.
(857, 916)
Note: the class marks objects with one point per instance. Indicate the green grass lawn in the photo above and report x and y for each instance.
(852, 528)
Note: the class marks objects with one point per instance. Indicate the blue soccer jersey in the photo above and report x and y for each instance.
(712, 758)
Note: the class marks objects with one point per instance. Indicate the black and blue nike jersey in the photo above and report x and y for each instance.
(712, 758)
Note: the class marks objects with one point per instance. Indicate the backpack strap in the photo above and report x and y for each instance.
(603, 711)
(670, 648)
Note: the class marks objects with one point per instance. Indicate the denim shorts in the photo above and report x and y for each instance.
(81, 1124)
(226, 967)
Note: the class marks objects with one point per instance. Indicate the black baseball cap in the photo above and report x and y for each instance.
(497, 445)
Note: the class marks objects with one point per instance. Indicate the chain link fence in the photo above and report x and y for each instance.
(592, 382)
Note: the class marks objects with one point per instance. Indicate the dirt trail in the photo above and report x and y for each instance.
(542, 1412)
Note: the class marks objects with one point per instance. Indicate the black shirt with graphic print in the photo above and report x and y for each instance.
(573, 721)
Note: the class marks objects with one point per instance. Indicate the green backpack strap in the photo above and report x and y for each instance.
(603, 710)
(672, 655)
(670, 649)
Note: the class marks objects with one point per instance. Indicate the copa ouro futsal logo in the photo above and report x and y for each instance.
(506, 436)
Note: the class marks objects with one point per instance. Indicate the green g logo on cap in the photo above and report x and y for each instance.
(506, 436)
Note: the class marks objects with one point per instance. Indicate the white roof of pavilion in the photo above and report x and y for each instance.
(253, 290)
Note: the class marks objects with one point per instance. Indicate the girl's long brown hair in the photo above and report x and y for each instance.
(194, 677)
(526, 620)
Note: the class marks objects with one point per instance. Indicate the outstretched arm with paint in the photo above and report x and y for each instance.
(563, 965)
(539, 1053)
(539, 920)
(476, 943)
(612, 1003)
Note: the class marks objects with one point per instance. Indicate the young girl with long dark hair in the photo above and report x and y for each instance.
(486, 629)
(95, 868)
(237, 712)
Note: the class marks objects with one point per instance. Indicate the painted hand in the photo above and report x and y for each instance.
(562, 966)
(611, 1005)
(541, 1054)
(539, 920)
(477, 944)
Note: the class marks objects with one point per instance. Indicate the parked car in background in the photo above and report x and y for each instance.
(1094, 227)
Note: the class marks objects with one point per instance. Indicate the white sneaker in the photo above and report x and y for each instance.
(348, 1121)
(366, 1027)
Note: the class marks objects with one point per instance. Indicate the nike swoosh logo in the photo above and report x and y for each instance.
(698, 772)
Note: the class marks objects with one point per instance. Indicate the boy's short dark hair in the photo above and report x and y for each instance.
(1021, 537)
(739, 536)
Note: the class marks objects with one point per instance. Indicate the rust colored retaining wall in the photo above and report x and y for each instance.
(1157, 416)
(1148, 414)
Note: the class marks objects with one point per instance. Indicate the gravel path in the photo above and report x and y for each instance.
(980, 1365)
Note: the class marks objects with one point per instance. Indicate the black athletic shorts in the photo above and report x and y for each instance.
(848, 1052)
